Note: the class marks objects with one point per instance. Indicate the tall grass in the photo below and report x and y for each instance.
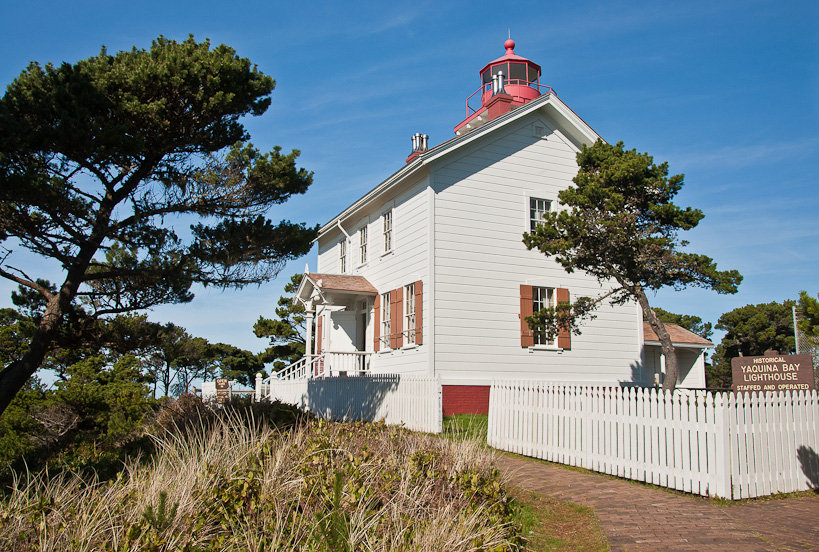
(239, 486)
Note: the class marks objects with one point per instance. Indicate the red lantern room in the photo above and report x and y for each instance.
(507, 82)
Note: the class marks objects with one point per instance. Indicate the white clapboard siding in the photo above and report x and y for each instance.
(411, 401)
(728, 445)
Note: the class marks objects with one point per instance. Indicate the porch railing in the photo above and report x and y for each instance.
(328, 363)
(354, 363)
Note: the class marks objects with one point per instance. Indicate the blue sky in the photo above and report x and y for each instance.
(726, 92)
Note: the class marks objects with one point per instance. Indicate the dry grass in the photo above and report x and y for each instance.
(319, 486)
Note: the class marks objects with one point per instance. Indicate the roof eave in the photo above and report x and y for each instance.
(678, 345)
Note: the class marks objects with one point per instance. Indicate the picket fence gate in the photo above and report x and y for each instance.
(412, 401)
(725, 444)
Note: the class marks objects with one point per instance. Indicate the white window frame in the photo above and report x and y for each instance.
(386, 323)
(543, 297)
(362, 244)
(342, 256)
(533, 220)
(409, 314)
(387, 226)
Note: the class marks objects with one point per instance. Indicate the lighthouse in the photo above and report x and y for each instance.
(506, 83)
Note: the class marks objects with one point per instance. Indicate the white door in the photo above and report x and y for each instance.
(342, 332)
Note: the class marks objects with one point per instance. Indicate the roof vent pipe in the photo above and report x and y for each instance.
(424, 139)
(494, 84)
(414, 143)
(500, 83)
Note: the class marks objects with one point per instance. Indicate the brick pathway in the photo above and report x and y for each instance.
(637, 518)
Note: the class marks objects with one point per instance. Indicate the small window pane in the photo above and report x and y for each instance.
(502, 67)
(517, 71)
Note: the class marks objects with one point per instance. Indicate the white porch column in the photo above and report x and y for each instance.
(308, 347)
(662, 371)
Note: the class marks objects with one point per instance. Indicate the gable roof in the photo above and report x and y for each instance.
(342, 282)
(336, 283)
(578, 131)
(679, 336)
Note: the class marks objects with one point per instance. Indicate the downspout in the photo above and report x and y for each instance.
(340, 227)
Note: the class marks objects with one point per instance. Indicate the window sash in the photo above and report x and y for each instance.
(537, 208)
(542, 297)
(362, 244)
(409, 313)
(386, 326)
(387, 230)
(342, 256)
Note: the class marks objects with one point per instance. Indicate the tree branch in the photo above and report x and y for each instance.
(29, 282)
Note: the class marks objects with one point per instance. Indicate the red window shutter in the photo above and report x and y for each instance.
(564, 336)
(318, 334)
(527, 337)
(377, 324)
(397, 312)
(419, 302)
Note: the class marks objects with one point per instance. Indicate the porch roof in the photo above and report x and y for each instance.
(343, 282)
(679, 336)
(335, 283)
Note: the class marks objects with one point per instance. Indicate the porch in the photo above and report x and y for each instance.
(342, 308)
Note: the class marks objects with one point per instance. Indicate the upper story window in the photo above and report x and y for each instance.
(362, 244)
(342, 256)
(409, 313)
(387, 219)
(537, 208)
(542, 297)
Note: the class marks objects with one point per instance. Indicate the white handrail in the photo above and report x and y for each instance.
(328, 363)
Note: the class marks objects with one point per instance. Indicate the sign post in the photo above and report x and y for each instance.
(773, 373)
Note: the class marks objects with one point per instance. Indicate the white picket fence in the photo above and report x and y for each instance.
(725, 444)
(412, 401)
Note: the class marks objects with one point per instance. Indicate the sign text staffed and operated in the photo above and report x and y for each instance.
(773, 373)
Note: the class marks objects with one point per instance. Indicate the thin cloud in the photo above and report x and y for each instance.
(745, 156)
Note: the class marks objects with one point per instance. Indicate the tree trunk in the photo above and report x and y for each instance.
(670, 382)
(14, 376)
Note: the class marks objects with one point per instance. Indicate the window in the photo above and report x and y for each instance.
(537, 208)
(386, 320)
(362, 244)
(542, 298)
(533, 299)
(342, 256)
(409, 313)
(387, 216)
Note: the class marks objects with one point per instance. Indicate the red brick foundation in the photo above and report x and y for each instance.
(465, 399)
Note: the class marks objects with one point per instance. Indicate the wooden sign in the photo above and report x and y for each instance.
(773, 373)
(222, 390)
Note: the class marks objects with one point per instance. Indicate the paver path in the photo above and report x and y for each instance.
(636, 518)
